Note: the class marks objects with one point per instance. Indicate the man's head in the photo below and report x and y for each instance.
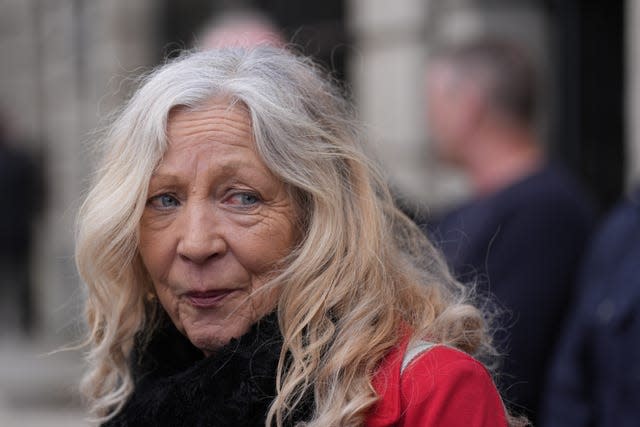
(472, 84)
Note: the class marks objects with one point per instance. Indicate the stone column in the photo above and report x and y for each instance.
(386, 69)
(60, 53)
(87, 53)
(633, 92)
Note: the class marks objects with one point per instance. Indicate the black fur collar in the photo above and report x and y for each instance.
(177, 386)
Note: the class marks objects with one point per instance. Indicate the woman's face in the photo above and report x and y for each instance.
(215, 225)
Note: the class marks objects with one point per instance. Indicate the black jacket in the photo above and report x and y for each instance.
(595, 376)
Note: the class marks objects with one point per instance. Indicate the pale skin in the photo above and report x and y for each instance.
(216, 224)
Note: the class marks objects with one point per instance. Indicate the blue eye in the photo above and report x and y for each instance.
(248, 199)
(164, 201)
(244, 199)
(168, 201)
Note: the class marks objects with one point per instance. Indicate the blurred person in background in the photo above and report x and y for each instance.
(245, 265)
(521, 235)
(594, 380)
(241, 27)
(20, 185)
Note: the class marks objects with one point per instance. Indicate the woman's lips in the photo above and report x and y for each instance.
(206, 299)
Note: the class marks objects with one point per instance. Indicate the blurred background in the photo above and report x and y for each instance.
(68, 64)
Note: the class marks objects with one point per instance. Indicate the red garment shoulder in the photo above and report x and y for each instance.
(441, 387)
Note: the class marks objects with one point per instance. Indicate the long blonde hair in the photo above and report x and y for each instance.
(361, 274)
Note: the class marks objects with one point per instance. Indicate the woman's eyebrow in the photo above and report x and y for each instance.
(163, 178)
(233, 167)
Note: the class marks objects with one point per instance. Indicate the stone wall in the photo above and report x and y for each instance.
(66, 65)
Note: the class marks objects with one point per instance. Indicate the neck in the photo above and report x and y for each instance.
(499, 157)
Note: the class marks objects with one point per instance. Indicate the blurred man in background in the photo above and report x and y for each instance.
(594, 380)
(521, 235)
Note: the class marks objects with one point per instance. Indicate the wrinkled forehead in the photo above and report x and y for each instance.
(219, 122)
(217, 116)
(222, 104)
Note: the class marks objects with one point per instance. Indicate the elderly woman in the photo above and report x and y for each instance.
(246, 266)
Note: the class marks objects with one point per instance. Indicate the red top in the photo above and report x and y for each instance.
(441, 387)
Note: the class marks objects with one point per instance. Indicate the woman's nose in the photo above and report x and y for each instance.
(202, 237)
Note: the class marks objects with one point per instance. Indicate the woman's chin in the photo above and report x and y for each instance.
(208, 345)
(210, 337)
(210, 328)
